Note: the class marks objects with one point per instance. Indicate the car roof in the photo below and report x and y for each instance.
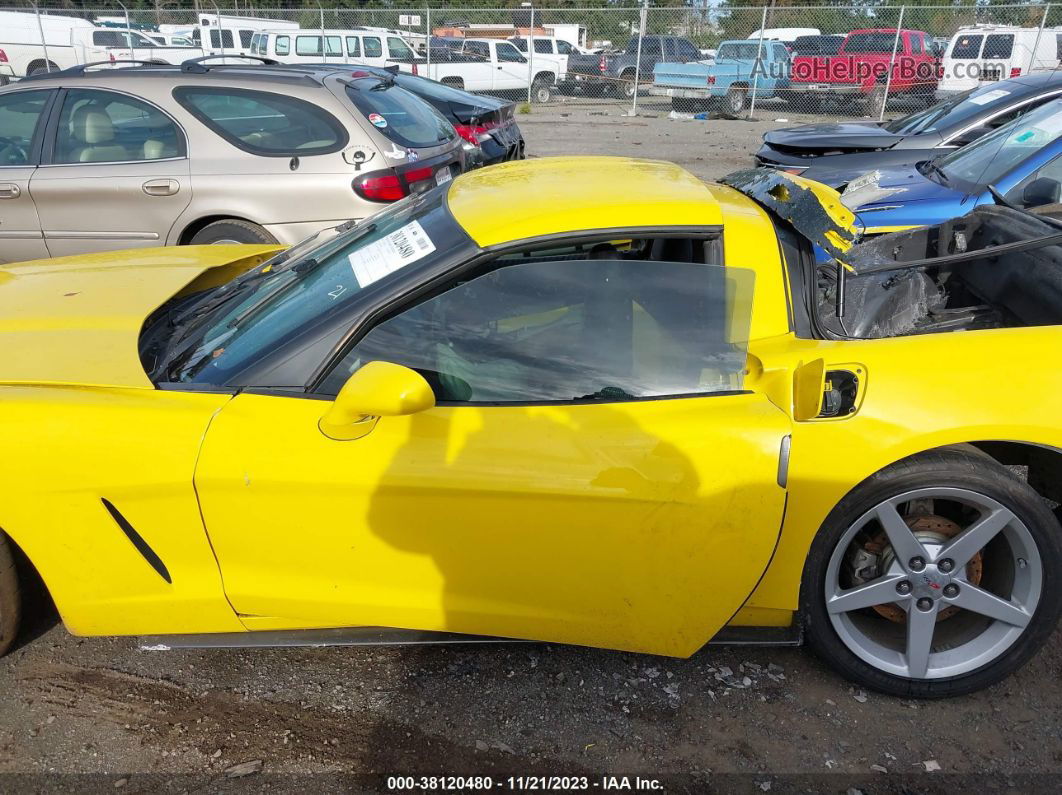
(244, 73)
(571, 194)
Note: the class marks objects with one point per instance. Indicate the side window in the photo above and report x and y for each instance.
(508, 53)
(263, 123)
(102, 127)
(245, 38)
(373, 48)
(564, 48)
(543, 46)
(353, 47)
(651, 46)
(255, 44)
(917, 47)
(334, 45)
(283, 45)
(307, 45)
(999, 45)
(20, 113)
(107, 38)
(569, 330)
(397, 48)
(477, 50)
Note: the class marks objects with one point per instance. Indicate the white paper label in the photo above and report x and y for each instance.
(989, 96)
(390, 253)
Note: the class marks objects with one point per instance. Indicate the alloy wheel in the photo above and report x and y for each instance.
(933, 583)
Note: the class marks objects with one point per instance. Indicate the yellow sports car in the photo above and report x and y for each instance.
(581, 400)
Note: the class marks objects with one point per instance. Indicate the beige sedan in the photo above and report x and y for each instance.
(167, 155)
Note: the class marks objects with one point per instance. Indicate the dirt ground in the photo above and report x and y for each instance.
(101, 715)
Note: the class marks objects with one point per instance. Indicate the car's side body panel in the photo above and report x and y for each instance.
(70, 449)
(607, 525)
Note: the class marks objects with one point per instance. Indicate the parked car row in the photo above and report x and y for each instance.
(863, 69)
(176, 148)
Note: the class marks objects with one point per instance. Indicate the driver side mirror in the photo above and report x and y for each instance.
(377, 389)
(1041, 191)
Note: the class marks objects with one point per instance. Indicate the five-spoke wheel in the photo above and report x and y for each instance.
(934, 577)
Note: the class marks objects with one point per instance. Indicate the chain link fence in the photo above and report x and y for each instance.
(686, 58)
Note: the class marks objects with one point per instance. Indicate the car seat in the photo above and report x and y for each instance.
(92, 128)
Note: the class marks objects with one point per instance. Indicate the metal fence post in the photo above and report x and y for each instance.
(128, 30)
(642, 22)
(757, 64)
(324, 50)
(892, 64)
(530, 54)
(221, 38)
(1039, 35)
(427, 35)
(44, 43)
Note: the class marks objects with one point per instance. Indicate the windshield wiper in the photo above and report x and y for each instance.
(929, 165)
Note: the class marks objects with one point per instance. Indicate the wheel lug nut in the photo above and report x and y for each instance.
(925, 603)
(903, 587)
(917, 564)
(951, 590)
(946, 565)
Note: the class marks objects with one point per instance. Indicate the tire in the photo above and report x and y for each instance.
(43, 69)
(10, 596)
(868, 643)
(541, 91)
(231, 231)
(627, 87)
(736, 100)
(875, 101)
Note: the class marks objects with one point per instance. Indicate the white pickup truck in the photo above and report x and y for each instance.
(487, 65)
(549, 53)
(69, 41)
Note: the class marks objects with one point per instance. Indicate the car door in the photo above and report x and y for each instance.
(594, 471)
(510, 72)
(114, 174)
(23, 115)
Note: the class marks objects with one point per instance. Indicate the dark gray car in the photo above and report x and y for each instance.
(833, 153)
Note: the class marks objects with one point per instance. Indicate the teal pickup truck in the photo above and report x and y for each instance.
(740, 68)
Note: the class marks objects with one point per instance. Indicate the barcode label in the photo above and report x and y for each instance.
(393, 251)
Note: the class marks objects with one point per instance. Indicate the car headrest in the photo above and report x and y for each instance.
(91, 125)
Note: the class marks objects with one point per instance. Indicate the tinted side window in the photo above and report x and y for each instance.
(543, 46)
(102, 127)
(373, 48)
(564, 330)
(916, 44)
(507, 52)
(683, 49)
(20, 113)
(477, 50)
(564, 48)
(283, 45)
(397, 48)
(966, 47)
(221, 39)
(264, 123)
(245, 38)
(999, 45)
(353, 46)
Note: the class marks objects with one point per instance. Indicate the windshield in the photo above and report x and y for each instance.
(988, 158)
(275, 302)
(954, 112)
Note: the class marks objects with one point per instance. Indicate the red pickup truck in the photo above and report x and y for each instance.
(859, 71)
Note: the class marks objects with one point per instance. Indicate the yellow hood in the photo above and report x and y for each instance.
(77, 320)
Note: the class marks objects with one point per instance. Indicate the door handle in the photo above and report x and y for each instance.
(9, 190)
(161, 187)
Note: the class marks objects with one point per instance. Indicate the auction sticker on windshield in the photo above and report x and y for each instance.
(390, 253)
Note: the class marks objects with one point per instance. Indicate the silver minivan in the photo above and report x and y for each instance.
(95, 160)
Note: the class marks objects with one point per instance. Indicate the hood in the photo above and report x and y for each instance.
(829, 137)
(813, 209)
(77, 320)
(892, 186)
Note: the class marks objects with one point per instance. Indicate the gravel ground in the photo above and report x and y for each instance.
(101, 715)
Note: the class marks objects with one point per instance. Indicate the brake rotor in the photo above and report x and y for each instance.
(927, 528)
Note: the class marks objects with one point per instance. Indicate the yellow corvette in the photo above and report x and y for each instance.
(581, 400)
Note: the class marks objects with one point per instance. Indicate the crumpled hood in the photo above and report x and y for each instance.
(889, 186)
(827, 137)
(77, 320)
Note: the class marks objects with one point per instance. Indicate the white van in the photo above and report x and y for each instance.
(228, 35)
(785, 35)
(989, 53)
(357, 45)
(69, 41)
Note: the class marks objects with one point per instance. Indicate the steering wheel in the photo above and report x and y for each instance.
(12, 152)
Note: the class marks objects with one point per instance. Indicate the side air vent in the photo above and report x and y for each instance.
(138, 541)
